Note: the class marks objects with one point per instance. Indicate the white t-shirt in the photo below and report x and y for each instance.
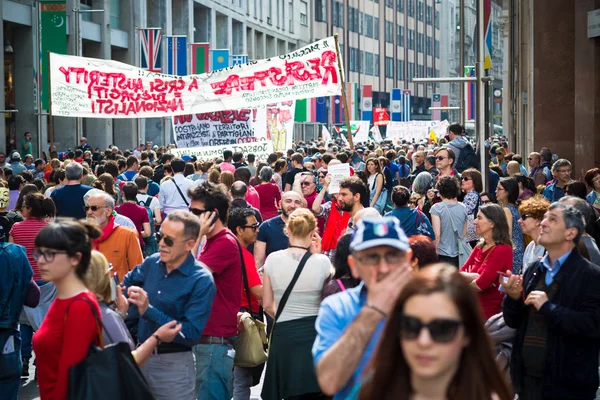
(142, 198)
(305, 298)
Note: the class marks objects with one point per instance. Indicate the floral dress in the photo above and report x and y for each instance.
(471, 202)
(517, 240)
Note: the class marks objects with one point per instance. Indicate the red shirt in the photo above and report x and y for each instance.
(270, 195)
(487, 264)
(24, 233)
(137, 214)
(310, 200)
(221, 256)
(252, 197)
(253, 280)
(62, 342)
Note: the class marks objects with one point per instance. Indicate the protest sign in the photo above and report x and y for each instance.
(417, 130)
(261, 149)
(94, 88)
(338, 173)
(360, 130)
(220, 128)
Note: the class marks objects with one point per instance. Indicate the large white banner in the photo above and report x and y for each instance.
(417, 130)
(261, 149)
(274, 122)
(94, 88)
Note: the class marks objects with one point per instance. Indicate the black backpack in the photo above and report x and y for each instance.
(7, 220)
(467, 158)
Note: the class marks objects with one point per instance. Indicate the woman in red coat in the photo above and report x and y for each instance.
(493, 254)
(63, 252)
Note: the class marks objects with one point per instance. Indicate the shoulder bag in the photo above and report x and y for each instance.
(180, 193)
(108, 372)
(382, 199)
(250, 344)
(290, 287)
(464, 249)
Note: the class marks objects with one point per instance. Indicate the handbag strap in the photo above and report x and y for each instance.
(339, 282)
(288, 290)
(451, 220)
(180, 192)
(244, 274)
(99, 324)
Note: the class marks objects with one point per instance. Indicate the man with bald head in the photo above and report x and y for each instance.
(239, 194)
(538, 172)
(419, 160)
(270, 236)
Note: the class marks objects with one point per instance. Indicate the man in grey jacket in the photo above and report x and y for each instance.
(456, 140)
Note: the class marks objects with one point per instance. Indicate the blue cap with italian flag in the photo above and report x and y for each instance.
(373, 232)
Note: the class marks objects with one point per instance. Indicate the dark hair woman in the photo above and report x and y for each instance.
(507, 193)
(342, 279)
(376, 184)
(526, 186)
(471, 186)
(63, 252)
(592, 178)
(424, 251)
(453, 360)
(492, 255)
(279, 168)
(28, 188)
(575, 189)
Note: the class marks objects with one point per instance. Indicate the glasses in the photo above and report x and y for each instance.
(306, 183)
(253, 227)
(564, 171)
(441, 330)
(486, 201)
(372, 260)
(168, 240)
(464, 178)
(47, 254)
(529, 158)
(197, 211)
(93, 208)
(440, 158)
(525, 216)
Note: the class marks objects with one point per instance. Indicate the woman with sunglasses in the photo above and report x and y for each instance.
(471, 186)
(492, 255)
(434, 345)
(63, 252)
(532, 213)
(290, 371)
(507, 193)
(376, 185)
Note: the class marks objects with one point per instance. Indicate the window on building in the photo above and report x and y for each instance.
(411, 71)
(436, 20)
(291, 15)
(369, 26)
(376, 70)
(340, 7)
(362, 62)
(303, 12)
(428, 18)
(353, 59)
(400, 70)
(361, 20)
(411, 39)
(437, 49)
(429, 72)
(389, 32)
(115, 14)
(321, 10)
(400, 35)
(400, 5)
(389, 67)
(376, 1)
(255, 8)
(389, 3)
(411, 7)
(376, 28)
(420, 10)
(420, 44)
(270, 13)
(368, 63)
(351, 21)
(437, 73)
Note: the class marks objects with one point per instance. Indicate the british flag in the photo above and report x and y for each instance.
(150, 49)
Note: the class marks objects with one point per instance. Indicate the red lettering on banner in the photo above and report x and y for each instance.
(193, 85)
(274, 72)
(226, 116)
(328, 59)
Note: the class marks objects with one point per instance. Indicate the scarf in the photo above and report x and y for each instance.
(337, 222)
(110, 227)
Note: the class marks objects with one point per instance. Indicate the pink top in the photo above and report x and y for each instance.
(269, 198)
(225, 166)
(252, 197)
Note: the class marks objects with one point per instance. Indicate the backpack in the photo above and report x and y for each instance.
(467, 158)
(151, 245)
(6, 222)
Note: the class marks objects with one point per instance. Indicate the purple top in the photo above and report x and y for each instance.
(13, 197)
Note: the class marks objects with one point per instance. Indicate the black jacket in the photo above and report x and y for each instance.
(573, 320)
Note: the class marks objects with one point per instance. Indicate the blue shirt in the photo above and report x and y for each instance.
(337, 312)
(153, 188)
(127, 176)
(186, 295)
(553, 270)
(69, 200)
(271, 233)
(413, 222)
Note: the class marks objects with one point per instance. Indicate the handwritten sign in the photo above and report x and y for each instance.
(418, 130)
(261, 149)
(338, 173)
(94, 88)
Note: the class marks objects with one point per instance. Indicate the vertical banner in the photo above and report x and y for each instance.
(444, 103)
(302, 113)
(200, 63)
(219, 59)
(367, 102)
(487, 22)
(150, 49)
(396, 104)
(53, 38)
(469, 95)
(280, 124)
(319, 110)
(406, 110)
(436, 101)
(337, 115)
(239, 59)
(352, 100)
(177, 55)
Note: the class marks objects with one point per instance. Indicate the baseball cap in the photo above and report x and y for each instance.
(316, 156)
(384, 231)
(15, 156)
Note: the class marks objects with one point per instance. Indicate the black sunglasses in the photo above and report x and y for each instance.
(197, 211)
(441, 330)
(253, 227)
(464, 178)
(525, 216)
(168, 240)
(93, 208)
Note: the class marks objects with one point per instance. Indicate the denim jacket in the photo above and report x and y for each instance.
(15, 276)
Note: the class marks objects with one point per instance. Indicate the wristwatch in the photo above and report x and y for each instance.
(158, 342)
(122, 315)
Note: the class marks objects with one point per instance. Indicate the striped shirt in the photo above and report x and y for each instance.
(24, 233)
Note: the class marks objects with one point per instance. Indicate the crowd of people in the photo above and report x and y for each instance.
(402, 280)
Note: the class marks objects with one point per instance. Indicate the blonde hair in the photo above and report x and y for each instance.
(301, 223)
(55, 163)
(97, 279)
(513, 168)
(227, 179)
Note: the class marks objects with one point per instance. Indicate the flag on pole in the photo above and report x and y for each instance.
(352, 100)
(376, 134)
(406, 110)
(239, 59)
(318, 109)
(220, 59)
(177, 55)
(367, 102)
(337, 116)
(396, 105)
(150, 49)
(444, 103)
(487, 14)
(436, 101)
(469, 95)
(325, 135)
(53, 38)
(302, 110)
(200, 58)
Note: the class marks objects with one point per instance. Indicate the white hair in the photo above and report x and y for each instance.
(108, 200)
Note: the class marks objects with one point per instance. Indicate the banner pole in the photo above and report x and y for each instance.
(50, 124)
(344, 101)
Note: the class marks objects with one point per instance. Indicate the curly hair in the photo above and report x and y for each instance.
(535, 207)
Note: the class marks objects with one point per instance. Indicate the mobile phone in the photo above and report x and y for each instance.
(215, 218)
(116, 278)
